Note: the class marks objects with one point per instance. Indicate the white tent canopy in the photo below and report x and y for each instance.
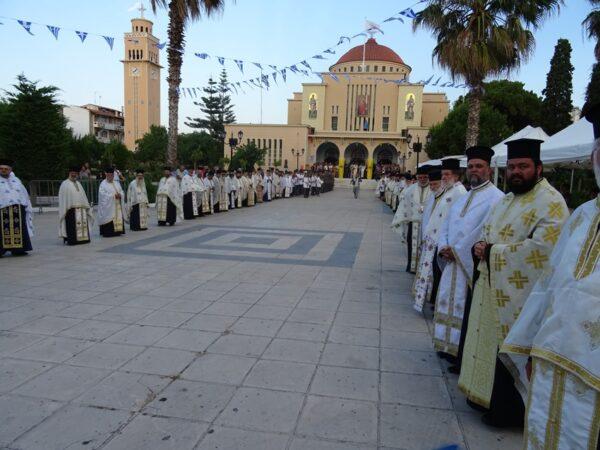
(574, 143)
(500, 150)
(438, 162)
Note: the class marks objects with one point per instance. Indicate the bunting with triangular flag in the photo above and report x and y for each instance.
(54, 30)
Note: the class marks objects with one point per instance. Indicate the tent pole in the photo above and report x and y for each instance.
(571, 184)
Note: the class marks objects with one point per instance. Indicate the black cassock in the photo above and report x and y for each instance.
(134, 219)
(188, 206)
(76, 223)
(171, 215)
(15, 235)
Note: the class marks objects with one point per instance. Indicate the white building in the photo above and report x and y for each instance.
(104, 123)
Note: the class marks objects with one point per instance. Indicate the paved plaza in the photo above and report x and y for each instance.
(283, 326)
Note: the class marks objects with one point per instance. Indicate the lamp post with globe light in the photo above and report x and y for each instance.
(297, 154)
(417, 147)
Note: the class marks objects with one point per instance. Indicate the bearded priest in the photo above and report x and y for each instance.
(513, 251)
(559, 330)
(111, 205)
(137, 202)
(168, 199)
(74, 211)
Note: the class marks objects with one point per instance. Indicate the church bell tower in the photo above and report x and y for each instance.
(141, 80)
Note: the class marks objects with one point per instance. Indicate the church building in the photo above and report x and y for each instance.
(365, 111)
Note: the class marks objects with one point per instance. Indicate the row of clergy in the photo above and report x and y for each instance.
(185, 197)
(515, 285)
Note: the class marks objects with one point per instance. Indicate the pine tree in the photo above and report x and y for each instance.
(557, 104)
(592, 95)
(217, 108)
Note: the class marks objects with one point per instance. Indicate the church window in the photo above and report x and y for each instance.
(345, 69)
(280, 153)
(146, 29)
(391, 69)
(375, 69)
(334, 123)
(360, 68)
(141, 54)
(269, 143)
(265, 144)
(351, 68)
(367, 69)
(280, 143)
(383, 68)
(366, 124)
(385, 125)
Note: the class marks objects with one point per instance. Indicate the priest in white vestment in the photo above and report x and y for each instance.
(268, 186)
(559, 330)
(260, 188)
(415, 197)
(460, 231)
(223, 197)
(111, 205)
(276, 184)
(74, 211)
(209, 192)
(189, 196)
(232, 187)
(517, 239)
(168, 199)
(137, 202)
(16, 213)
(251, 181)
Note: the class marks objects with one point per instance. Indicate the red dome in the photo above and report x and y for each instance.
(373, 52)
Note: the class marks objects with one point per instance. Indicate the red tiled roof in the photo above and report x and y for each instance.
(373, 52)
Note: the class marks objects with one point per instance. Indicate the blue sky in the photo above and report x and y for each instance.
(271, 32)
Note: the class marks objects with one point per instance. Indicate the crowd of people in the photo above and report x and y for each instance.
(513, 281)
(181, 195)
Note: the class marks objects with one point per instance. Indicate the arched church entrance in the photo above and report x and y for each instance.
(355, 154)
(328, 153)
(385, 154)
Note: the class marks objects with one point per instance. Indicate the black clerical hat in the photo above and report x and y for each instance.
(524, 148)
(435, 175)
(450, 164)
(480, 152)
(211, 173)
(74, 169)
(6, 162)
(139, 171)
(423, 170)
(592, 114)
(109, 170)
(167, 168)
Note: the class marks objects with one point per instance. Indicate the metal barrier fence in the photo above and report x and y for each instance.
(44, 193)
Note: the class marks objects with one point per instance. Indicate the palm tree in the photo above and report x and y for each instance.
(592, 26)
(180, 12)
(477, 39)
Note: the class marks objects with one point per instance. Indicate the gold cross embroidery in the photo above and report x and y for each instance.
(506, 232)
(529, 218)
(499, 262)
(527, 198)
(536, 259)
(551, 234)
(514, 247)
(555, 210)
(518, 280)
(501, 298)
(575, 223)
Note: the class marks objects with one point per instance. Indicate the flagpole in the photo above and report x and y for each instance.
(261, 89)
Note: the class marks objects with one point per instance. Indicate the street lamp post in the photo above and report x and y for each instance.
(298, 153)
(417, 147)
(232, 144)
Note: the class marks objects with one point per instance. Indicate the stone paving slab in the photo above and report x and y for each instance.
(251, 329)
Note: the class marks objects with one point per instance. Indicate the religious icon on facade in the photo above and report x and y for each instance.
(409, 112)
(312, 106)
(362, 105)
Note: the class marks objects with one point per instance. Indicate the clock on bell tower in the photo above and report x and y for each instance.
(141, 80)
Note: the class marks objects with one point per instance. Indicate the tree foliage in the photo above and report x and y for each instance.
(557, 104)
(247, 156)
(506, 108)
(33, 131)
(151, 147)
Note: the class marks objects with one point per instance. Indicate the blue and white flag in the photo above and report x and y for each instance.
(274, 74)
(265, 80)
(248, 84)
(233, 86)
(428, 80)
(359, 34)
(257, 65)
(334, 77)
(283, 75)
(391, 19)
(183, 91)
(273, 67)
(304, 72)
(109, 40)
(82, 35)
(330, 51)
(221, 60)
(341, 40)
(54, 30)
(294, 69)
(437, 81)
(202, 55)
(26, 25)
(318, 57)
(161, 46)
(319, 75)
(408, 12)
(194, 91)
(304, 63)
(240, 64)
